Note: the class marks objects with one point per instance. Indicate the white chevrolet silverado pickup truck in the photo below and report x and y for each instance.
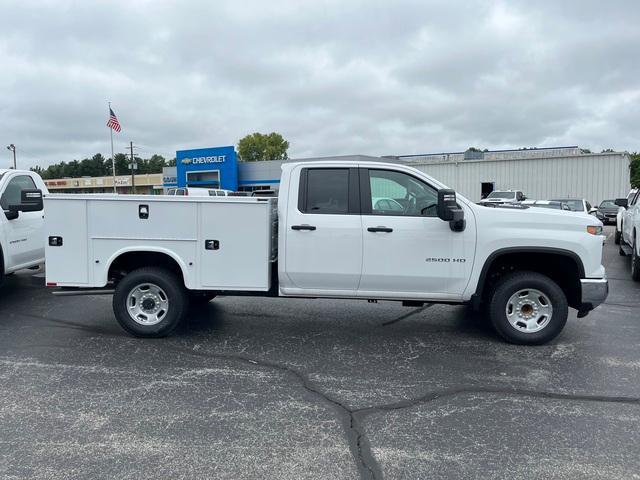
(357, 230)
(22, 223)
(630, 226)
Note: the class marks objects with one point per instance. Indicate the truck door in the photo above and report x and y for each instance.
(408, 252)
(25, 234)
(323, 231)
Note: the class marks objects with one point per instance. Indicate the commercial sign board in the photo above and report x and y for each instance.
(215, 167)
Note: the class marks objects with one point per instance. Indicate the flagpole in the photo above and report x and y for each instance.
(113, 160)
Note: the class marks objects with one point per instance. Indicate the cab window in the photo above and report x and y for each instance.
(400, 194)
(13, 192)
(327, 191)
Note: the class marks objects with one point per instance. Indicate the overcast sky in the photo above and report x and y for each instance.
(334, 77)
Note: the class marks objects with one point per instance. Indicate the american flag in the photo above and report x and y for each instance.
(113, 121)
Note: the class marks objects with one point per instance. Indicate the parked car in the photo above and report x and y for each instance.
(607, 211)
(553, 204)
(198, 192)
(386, 205)
(629, 242)
(575, 204)
(22, 225)
(620, 214)
(525, 266)
(504, 196)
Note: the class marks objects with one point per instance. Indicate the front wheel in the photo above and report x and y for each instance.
(528, 308)
(150, 302)
(616, 238)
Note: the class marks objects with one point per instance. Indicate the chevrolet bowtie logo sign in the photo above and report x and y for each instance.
(201, 160)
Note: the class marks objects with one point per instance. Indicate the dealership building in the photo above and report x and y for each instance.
(541, 173)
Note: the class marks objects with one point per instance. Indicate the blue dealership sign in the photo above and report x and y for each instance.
(208, 167)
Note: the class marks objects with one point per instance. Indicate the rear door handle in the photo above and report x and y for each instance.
(380, 229)
(303, 227)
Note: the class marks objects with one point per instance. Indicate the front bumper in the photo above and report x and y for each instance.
(594, 292)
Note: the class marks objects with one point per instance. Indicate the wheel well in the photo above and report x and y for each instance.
(129, 261)
(563, 268)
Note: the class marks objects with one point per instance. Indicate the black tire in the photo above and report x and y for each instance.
(616, 238)
(524, 281)
(620, 250)
(171, 287)
(635, 262)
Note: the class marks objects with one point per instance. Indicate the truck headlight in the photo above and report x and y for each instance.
(594, 230)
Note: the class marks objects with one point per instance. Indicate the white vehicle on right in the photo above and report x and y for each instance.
(629, 244)
(619, 216)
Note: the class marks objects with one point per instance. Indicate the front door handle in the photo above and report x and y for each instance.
(380, 229)
(303, 227)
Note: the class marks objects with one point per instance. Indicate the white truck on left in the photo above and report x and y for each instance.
(22, 223)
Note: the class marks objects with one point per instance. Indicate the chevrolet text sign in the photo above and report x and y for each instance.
(201, 160)
(208, 168)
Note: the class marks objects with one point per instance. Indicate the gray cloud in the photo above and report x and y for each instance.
(335, 77)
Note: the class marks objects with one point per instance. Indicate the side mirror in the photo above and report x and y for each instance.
(30, 201)
(593, 210)
(622, 202)
(449, 211)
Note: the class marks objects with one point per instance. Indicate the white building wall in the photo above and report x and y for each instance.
(595, 177)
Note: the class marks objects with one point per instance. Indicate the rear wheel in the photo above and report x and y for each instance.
(635, 262)
(617, 236)
(528, 308)
(150, 302)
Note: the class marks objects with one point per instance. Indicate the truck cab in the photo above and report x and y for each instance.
(22, 221)
(338, 238)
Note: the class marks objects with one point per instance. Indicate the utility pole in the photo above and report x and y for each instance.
(12, 147)
(133, 175)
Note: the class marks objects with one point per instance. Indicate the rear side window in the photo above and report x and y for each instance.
(324, 191)
(12, 194)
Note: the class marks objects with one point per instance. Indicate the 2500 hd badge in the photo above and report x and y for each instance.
(445, 260)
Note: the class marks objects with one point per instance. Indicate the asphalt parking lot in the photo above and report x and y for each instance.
(271, 388)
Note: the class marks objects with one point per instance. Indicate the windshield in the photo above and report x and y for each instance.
(608, 204)
(509, 195)
(575, 205)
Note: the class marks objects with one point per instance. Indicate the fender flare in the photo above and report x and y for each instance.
(145, 249)
(509, 250)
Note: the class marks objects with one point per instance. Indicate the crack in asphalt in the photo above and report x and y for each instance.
(352, 419)
(358, 445)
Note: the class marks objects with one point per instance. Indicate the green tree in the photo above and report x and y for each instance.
(155, 164)
(122, 164)
(635, 170)
(258, 147)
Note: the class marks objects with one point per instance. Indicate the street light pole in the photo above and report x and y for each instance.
(12, 147)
